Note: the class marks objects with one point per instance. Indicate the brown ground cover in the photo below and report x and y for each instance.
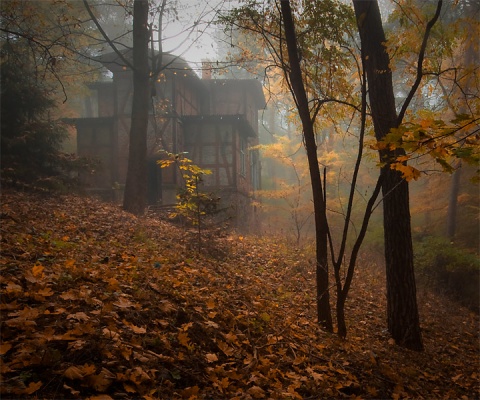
(98, 304)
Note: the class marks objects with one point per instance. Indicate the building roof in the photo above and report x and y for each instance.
(253, 86)
(114, 62)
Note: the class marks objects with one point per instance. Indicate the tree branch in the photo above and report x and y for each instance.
(421, 57)
(104, 34)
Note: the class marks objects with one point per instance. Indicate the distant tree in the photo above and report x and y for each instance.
(31, 140)
(56, 41)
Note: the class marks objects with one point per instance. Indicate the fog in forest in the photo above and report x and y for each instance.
(229, 199)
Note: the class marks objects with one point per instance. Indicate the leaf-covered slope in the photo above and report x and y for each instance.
(99, 304)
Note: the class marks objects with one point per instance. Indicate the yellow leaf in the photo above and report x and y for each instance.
(426, 123)
(408, 172)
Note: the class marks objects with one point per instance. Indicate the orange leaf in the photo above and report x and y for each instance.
(20, 322)
(70, 295)
(69, 263)
(183, 339)
(45, 292)
(210, 304)
(211, 324)
(229, 351)
(129, 388)
(79, 316)
(211, 357)
(257, 392)
(102, 381)
(123, 302)
(37, 270)
(190, 392)
(4, 347)
(33, 387)
(73, 373)
(72, 390)
(13, 288)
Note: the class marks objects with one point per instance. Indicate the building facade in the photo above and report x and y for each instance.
(214, 122)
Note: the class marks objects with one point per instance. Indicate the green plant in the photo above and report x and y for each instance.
(448, 267)
(31, 139)
(193, 204)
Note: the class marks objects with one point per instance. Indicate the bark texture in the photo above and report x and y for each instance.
(136, 184)
(402, 310)
(321, 229)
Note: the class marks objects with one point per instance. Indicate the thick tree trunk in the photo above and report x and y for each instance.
(321, 230)
(402, 311)
(136, 185)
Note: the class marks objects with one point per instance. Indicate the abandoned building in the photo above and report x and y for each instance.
(214, 122)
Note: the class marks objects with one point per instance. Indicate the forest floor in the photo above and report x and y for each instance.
(98, 304)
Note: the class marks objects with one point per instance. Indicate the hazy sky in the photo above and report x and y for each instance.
(195, 42)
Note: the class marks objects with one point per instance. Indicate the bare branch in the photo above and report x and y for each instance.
(421, 56)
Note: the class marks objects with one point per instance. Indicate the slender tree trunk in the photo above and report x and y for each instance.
(136, 185)
(452, 204)
(321, 230)
(402, 310)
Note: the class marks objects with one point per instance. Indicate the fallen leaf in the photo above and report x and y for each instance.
(211, 357)
(4, 347)
(33, 387)
(257, 392)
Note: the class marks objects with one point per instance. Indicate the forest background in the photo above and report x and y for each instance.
(440, 138)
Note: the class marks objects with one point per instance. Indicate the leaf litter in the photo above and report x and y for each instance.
(99, 304)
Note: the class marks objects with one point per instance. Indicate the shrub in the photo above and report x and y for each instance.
(450, 268)
(31, 141)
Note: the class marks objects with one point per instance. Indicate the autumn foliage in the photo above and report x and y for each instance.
(99, 304)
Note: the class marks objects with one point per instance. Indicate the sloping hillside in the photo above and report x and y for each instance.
(99, 304)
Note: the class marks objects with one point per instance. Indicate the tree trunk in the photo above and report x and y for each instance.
(136, 184)
(323, 297)
(402, 310)
(452, 204)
